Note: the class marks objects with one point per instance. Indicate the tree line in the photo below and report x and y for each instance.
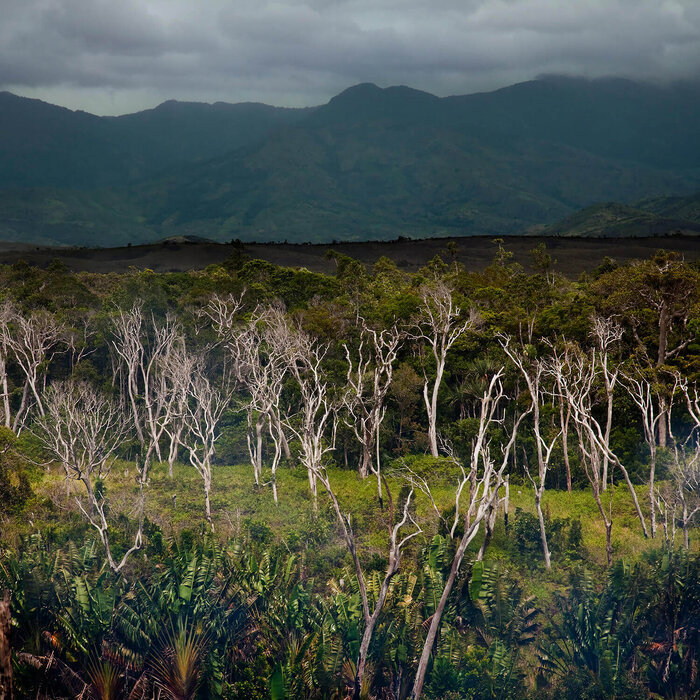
(499, 375)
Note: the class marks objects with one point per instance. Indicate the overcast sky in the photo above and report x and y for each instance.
(117, 56)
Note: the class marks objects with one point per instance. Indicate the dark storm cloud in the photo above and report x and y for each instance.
(127, 54)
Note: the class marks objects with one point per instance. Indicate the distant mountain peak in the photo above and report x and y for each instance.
(359, 89)
(368, 101)
(372, 91)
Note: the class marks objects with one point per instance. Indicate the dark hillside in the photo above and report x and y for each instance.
(42, 145)
(372, 163)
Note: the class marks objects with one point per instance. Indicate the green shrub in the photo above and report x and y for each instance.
(467, 680)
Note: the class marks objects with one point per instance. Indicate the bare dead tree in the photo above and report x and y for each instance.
(686, 462)
(175, 369)
(6, 313)
(243, 343)
(261, 369)
(439, 326)
(369, 377)
(80, 338)
(533, 372)
(223, 312)
(653, 408)
(666, 505)
(686, 479)
(396, 545)
(266, 378)
(670, 290)
(607, 332)
(33, 340)
(128, 345)
(317, 412)
(575, 377)
(82, 429)
(678, 499)
(564, 421)
(259, 357)
(205, 407)
(587, 370)
(479, 485)
(142, 349)
(252, 373)
(690, 397)
(576, 374)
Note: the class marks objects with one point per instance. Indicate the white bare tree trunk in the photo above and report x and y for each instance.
(206, 405)
(155, 366)
(365, 399)
(652, 412)
(482, 482)
(533, 372)
(33, 341)
(576, 376)
(258, 353)
(438, 326)
(83, 430)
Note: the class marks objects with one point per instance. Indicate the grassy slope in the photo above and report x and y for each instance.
(620, 221)
(236, 504)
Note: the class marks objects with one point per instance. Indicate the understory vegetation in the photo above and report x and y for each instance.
(253, 481)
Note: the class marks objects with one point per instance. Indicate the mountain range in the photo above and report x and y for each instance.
(560, 156)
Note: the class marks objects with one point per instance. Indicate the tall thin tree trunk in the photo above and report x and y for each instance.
(506, 502)
(663, 432)
(489, 524)
(565, 447)
(254, 447)
(364, 644)
(22, 408)
(437, 615)
(637, 507)
(378, 472)
(133, 393)
(564, 433)
(432, 429)
(608, 428)
(607, 522)
(172, 455)
(259, 424)
(313, 485)
(276, 457)
(5, 395)
(664, 327)
(207, 504)
(365, 459)
(543, 531)
(283, 439)
(39, 402)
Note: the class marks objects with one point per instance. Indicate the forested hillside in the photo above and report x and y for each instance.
(253, 481)
(372, 163)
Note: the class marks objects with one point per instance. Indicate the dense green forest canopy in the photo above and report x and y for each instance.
(253, 481)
